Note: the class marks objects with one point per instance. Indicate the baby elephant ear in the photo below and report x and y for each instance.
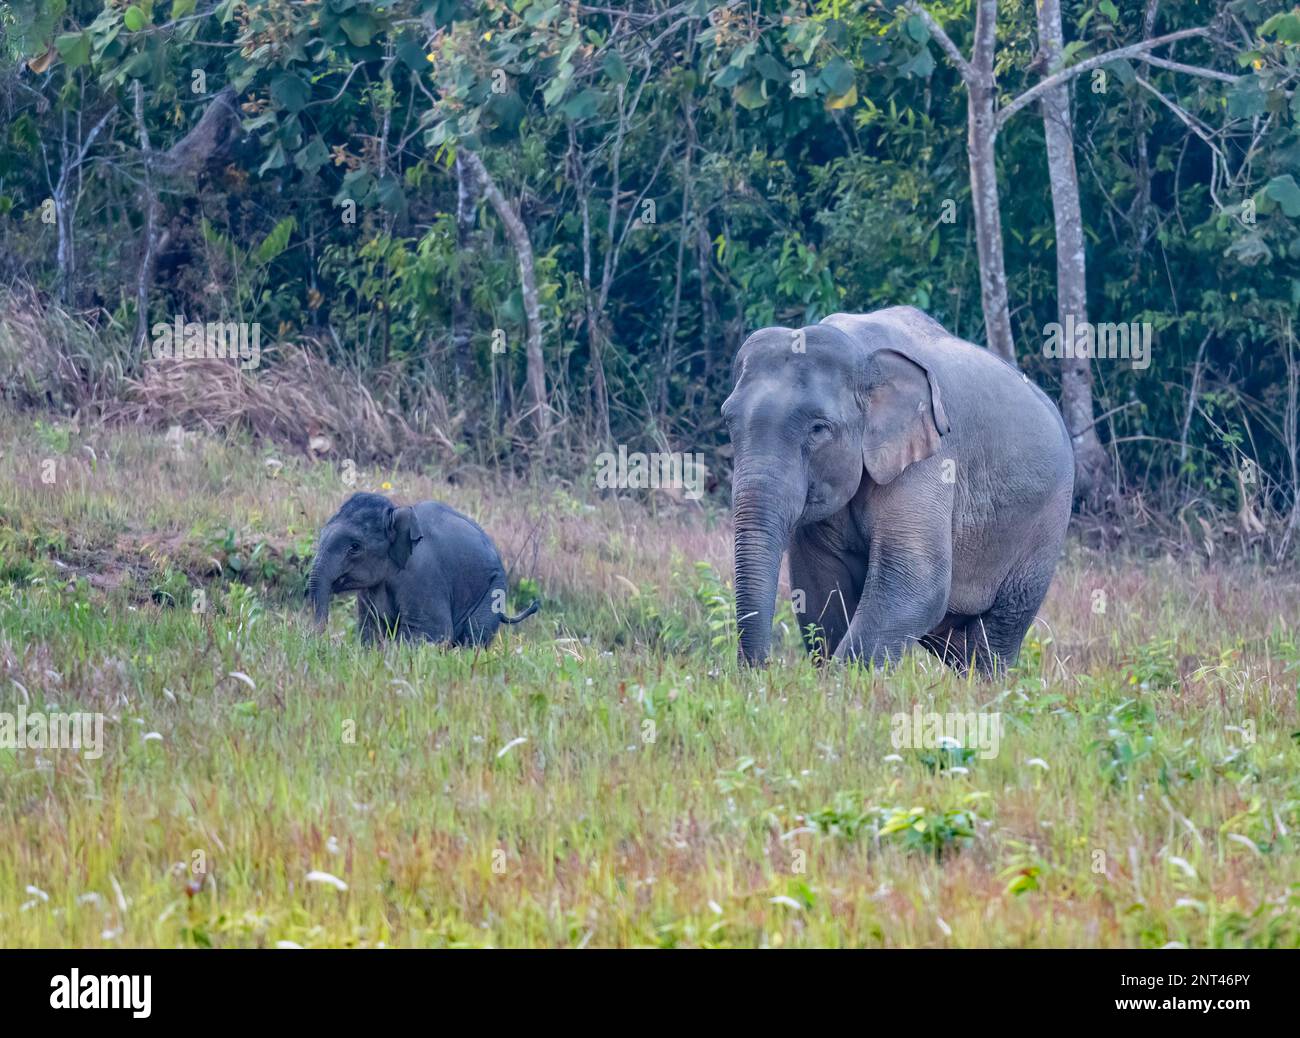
(403, 533)
(904, 415)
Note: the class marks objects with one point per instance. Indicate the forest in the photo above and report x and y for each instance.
(533, 230)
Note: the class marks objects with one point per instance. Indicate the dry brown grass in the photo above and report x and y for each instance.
(50, 357)
(299, 400)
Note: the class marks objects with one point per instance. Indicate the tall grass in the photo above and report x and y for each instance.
(603, 775)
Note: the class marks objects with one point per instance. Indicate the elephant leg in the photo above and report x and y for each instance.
(996, 635)
(430, 622)
(480, 627)
(904, 598)
(949, 641)
(825, 590)
(372, 625)
(367, 620)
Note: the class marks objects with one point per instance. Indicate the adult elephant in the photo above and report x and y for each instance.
(921, 485)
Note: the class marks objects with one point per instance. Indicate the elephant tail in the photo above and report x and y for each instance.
(532, 608)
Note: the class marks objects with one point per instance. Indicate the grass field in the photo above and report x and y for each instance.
(603, 775)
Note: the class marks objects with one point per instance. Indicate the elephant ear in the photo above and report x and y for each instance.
(403, 534)
(904, 415)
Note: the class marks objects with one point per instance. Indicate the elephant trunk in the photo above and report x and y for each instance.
(324, 572)
(763, 528)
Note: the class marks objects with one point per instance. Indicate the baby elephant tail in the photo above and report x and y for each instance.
(532, 608)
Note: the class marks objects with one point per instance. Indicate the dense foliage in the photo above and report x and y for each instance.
(685, 172)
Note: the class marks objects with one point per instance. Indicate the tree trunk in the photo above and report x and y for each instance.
(1139, 212)
(144, 275)
(981, 143)
(63, 215)
(66, 194)
(708, 310)
(597, 390)
(1091, 463)
(466, 203)
(535, 371)
(207, 140)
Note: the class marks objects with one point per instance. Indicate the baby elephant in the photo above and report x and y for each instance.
(423, 571)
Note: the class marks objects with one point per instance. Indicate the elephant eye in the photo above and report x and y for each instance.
(354, 548)
(821, 429)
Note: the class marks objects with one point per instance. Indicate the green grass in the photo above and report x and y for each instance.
(1146, 788)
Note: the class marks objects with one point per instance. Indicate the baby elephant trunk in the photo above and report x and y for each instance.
(323, 575)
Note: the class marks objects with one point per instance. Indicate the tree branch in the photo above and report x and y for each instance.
(510, 218)
(1190, 70)
(1065, 75)
(944, 40)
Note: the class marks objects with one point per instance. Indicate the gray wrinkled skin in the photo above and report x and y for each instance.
(420, 572)
(921, 485)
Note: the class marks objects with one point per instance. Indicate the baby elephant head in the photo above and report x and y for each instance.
(367, 541)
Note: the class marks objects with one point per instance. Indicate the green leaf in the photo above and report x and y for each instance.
(258, 121)
(411, 54)
(742, 55)
(133, 18)
(583, 105)
(555, 90)
(874, 52)
(290, 92)
(1122, 69)
(391, 195)
(750, 94)
(275, 160)
(916, 29)
(1286, 193)
(1246, 98)
(1071, 49)
(359, 28)
(290, 133)
(1109, 10)
(74, 49)
(312, 157)
(920, 66)
(358, 184)
(806, 36)
(137, 65)
(728, 77)
(615, 67)
(838, 76)
(275, 242)
(1285, 26)
(769, 68)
